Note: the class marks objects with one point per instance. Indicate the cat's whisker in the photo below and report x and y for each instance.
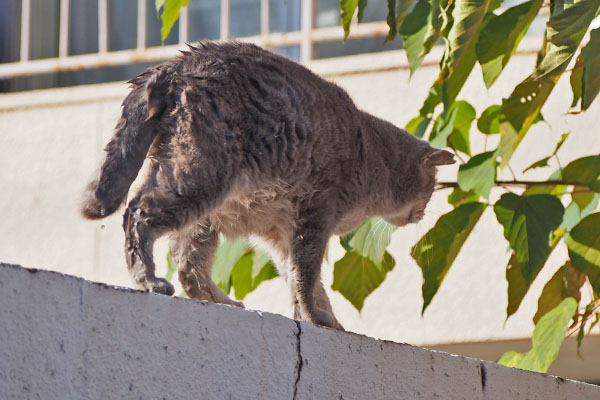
(434, 213)
(429, 248)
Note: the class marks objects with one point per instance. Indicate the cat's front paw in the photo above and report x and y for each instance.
(159, 285)
(323, 318)
(238, 304)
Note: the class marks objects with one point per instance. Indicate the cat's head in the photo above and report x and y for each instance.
(422, 183)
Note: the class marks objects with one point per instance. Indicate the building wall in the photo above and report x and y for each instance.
(66, 338)
(52, 141)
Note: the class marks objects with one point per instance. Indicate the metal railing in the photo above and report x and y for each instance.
(305, 38)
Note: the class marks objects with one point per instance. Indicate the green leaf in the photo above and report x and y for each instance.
(519, 112)
(371, 239)
(169, 15)
(499, 39)
(454, 129)
(584, 248)
(478, 174)
(250, 271)
(460, 57)
(347, 10)
(418, 126)
(528, 222)
(584, 170)
(544, 161)
(488, 121)
(226, 257)
(463, 20)
(548, 335)
(355, 276)
(458, 197)
(564, 32)
(576, 80)
(584, 199)
(517, 286)
(591, 69)
(566, 282)
(574, 214)
(397, 10)
(420, 31)
(362, 4)
(559, 144)
(538, 164)
(510, 359)
(158, 4)
(171, 266)
(436, 250)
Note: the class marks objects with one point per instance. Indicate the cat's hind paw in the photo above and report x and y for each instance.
(159, 285)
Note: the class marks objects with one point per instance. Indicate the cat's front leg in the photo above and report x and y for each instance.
(308, 248)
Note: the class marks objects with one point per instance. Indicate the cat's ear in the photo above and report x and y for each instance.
(434, 157)
(156, 91)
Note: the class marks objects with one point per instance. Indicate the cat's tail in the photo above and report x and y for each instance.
(126, 151)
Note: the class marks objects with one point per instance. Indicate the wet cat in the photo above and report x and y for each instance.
(244, 142)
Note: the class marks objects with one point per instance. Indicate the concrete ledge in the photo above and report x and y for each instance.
(62, 337)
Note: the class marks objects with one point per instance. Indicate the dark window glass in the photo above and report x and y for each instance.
(43, 29)
(284, 15)
(83, 27)
(355, 46)
(292, 52)
(122, 24)
(10, 30)
(244, 16)
(204, 19)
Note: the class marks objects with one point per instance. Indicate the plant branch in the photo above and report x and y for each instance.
(558, 162)
(444, 185)
(512, 172)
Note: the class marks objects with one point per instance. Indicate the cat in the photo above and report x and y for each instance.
(243, 142)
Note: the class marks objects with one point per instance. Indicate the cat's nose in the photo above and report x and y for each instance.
(418, 215)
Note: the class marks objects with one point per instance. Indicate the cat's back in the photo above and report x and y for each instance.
(243, 73)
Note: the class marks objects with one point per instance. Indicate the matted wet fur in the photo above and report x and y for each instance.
(244, 142)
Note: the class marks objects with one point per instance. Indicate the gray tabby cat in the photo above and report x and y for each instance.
(243, 142)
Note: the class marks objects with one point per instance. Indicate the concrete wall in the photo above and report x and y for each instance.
(62, 337)
(51, 141)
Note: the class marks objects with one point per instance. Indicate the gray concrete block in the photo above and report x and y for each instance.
(62, 337)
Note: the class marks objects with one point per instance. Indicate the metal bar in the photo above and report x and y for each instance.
(183, 25)
(150, 54)
(95, 60)
(63, 35)
(225, 7)
(141, 24)
(25, 21)
(264, 17)
(306, 45)
(102, 26)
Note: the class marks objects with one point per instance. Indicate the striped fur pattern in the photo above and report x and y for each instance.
(244, 142)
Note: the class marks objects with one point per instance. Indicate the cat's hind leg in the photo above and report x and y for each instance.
(139, 240)
(193, 250)
(156, 210)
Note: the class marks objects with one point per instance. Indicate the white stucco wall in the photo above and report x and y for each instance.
(62, 337)
(51, 141)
